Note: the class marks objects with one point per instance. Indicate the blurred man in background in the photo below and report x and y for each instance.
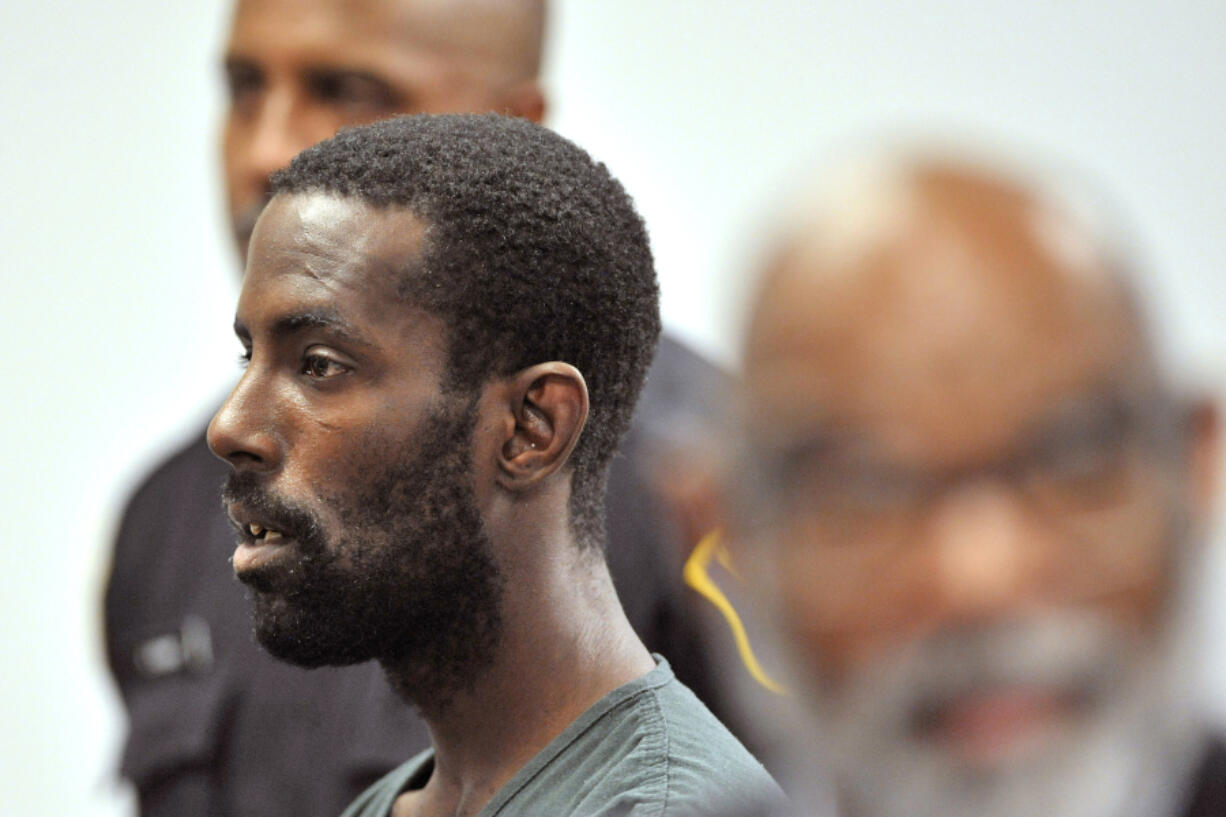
(216, 727)
(970, 501)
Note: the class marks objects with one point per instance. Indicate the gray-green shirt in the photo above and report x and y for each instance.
(647, 748)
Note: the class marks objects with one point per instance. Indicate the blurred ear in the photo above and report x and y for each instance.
(548, 406)
(690, 482)
(523, 99)
(1202, 460)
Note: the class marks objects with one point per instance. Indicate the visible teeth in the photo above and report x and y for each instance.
(268, 535)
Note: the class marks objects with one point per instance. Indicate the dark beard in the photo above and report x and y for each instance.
(409, 579)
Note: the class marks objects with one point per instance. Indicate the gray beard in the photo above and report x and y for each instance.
(1126, 755)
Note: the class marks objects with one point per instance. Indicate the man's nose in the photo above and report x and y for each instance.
(985, 548)
(283, 127)
(241, 432)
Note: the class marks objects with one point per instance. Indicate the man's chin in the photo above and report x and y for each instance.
(932, 777)
(1015, 752)
(289, 636)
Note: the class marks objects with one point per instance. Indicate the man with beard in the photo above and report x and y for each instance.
(447, 321)
(215, 725)
(969, 502)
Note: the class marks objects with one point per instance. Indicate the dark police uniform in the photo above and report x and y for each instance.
(1208, 793)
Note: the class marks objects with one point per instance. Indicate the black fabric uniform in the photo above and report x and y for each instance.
(217, 727)
(1208, 796)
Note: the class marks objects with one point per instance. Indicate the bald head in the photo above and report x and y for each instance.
(912, 288)
(298, 70)
(504, 38)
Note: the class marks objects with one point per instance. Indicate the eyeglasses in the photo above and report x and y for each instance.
(1086, 462)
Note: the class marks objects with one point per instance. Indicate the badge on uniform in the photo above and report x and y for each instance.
(189, 650)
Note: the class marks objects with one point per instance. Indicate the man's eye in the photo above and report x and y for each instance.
(322, 366)
(243, 84)
(354, 93)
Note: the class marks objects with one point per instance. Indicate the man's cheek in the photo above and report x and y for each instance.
(810, 619)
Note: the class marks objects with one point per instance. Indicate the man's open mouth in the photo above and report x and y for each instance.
(994, 725)
(266, 536)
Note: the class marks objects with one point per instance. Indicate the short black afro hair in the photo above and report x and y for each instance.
(534, 252)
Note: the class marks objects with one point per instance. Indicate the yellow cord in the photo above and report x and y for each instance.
(696, 576)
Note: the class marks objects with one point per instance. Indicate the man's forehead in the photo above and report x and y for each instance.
(340, 26)
(966, 376)
(967, 307)
(337, 243)
(472, 31)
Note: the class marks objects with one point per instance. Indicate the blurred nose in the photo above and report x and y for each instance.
(984, 549)
(241, 431)
(280, 129)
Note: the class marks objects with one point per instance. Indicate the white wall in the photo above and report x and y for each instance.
(119, 279)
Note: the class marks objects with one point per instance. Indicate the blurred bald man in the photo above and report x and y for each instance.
(216, 726)
(299, 70)
(970, 502)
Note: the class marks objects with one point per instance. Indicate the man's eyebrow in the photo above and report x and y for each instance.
(354, 72)
(294, 322)
(238, 62)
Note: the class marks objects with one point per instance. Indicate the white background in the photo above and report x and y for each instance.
(119, 281)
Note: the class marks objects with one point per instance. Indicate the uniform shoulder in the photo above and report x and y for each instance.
(179, 499)
(682, 386)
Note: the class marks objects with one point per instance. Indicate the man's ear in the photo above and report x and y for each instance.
(548, 406)
(523, 99)
(1203, 455)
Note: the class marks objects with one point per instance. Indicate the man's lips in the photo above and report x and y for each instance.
(259, 544)
(258, 554)
(259, 547)
(985, 728)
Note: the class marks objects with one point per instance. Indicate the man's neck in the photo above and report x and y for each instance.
(565, 644)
